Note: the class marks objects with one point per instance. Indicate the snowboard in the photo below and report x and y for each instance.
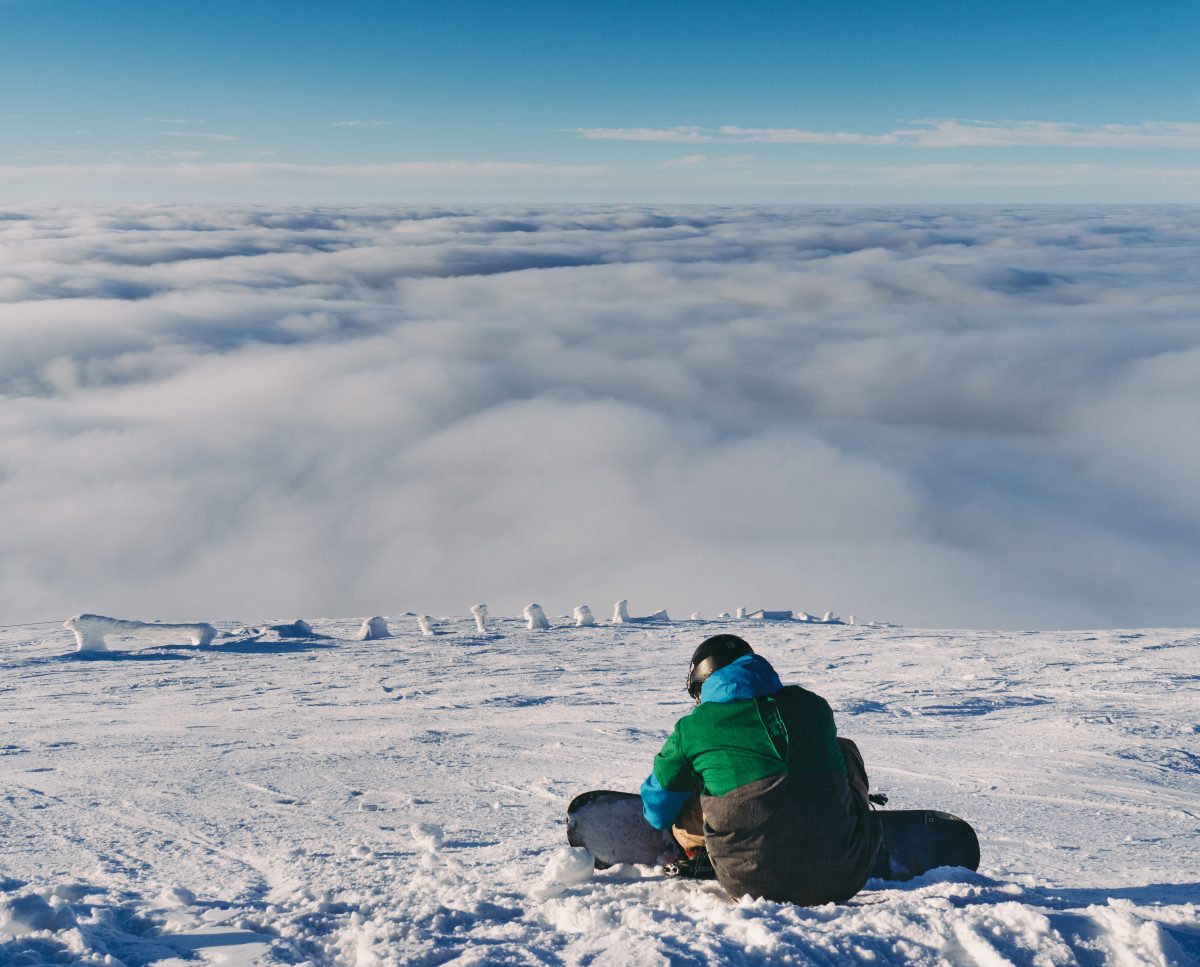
(611, 827)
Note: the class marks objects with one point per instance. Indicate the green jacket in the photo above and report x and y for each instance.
(722, 746)
(781, 820)
(747, 727)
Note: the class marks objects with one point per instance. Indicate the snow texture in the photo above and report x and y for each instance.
(329, 802)
(92, 630)
(373, 629)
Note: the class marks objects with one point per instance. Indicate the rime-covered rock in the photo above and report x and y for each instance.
(91, 630)
(535, 618)
(621, 614)
(480, 613)
(373, 629)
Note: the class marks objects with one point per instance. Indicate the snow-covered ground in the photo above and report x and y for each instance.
(330, 800)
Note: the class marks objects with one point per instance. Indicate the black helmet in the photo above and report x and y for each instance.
(713, 653)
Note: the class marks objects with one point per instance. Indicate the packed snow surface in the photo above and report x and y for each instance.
(326, 800)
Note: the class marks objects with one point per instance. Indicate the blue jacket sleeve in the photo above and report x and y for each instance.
(662, 805)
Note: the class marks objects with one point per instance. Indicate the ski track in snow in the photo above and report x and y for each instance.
(332, 801)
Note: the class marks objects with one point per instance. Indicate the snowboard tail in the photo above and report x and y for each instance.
(916, 841)
(611, 826)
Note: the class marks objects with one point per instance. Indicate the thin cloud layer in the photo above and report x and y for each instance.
(934, 133)
(956, 416)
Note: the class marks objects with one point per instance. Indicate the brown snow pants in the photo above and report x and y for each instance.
(689, 827)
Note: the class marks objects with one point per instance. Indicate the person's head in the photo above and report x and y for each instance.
(713, 653)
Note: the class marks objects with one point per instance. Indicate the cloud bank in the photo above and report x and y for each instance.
(932, 133)
(956, 416)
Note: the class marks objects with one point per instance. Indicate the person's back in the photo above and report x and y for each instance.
(782, 817)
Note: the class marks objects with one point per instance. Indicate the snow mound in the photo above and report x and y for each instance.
(583, 617)
(428, 836)
(286, 633)
(425, 623)
(293, 629)
(32, 912)
(568, 867)
(571, 865)
(177, 896)
(91, 630)
(373, 629)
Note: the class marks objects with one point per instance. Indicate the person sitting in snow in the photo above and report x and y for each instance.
(756, 782)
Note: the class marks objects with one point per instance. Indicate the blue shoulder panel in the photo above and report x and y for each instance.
(751, 676)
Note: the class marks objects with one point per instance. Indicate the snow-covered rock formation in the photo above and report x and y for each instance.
(480, 613)
(828, 618)
(621, 614)
(292, 629)
(91, 630)
(373, 629)
(535, 618)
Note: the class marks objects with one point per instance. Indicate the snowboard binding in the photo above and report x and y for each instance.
(694, 865)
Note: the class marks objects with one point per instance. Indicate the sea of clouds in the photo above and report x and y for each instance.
(960, 416)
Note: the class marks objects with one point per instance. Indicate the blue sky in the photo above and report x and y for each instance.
(466, 100)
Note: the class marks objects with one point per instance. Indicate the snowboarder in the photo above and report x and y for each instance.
(756, 782)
